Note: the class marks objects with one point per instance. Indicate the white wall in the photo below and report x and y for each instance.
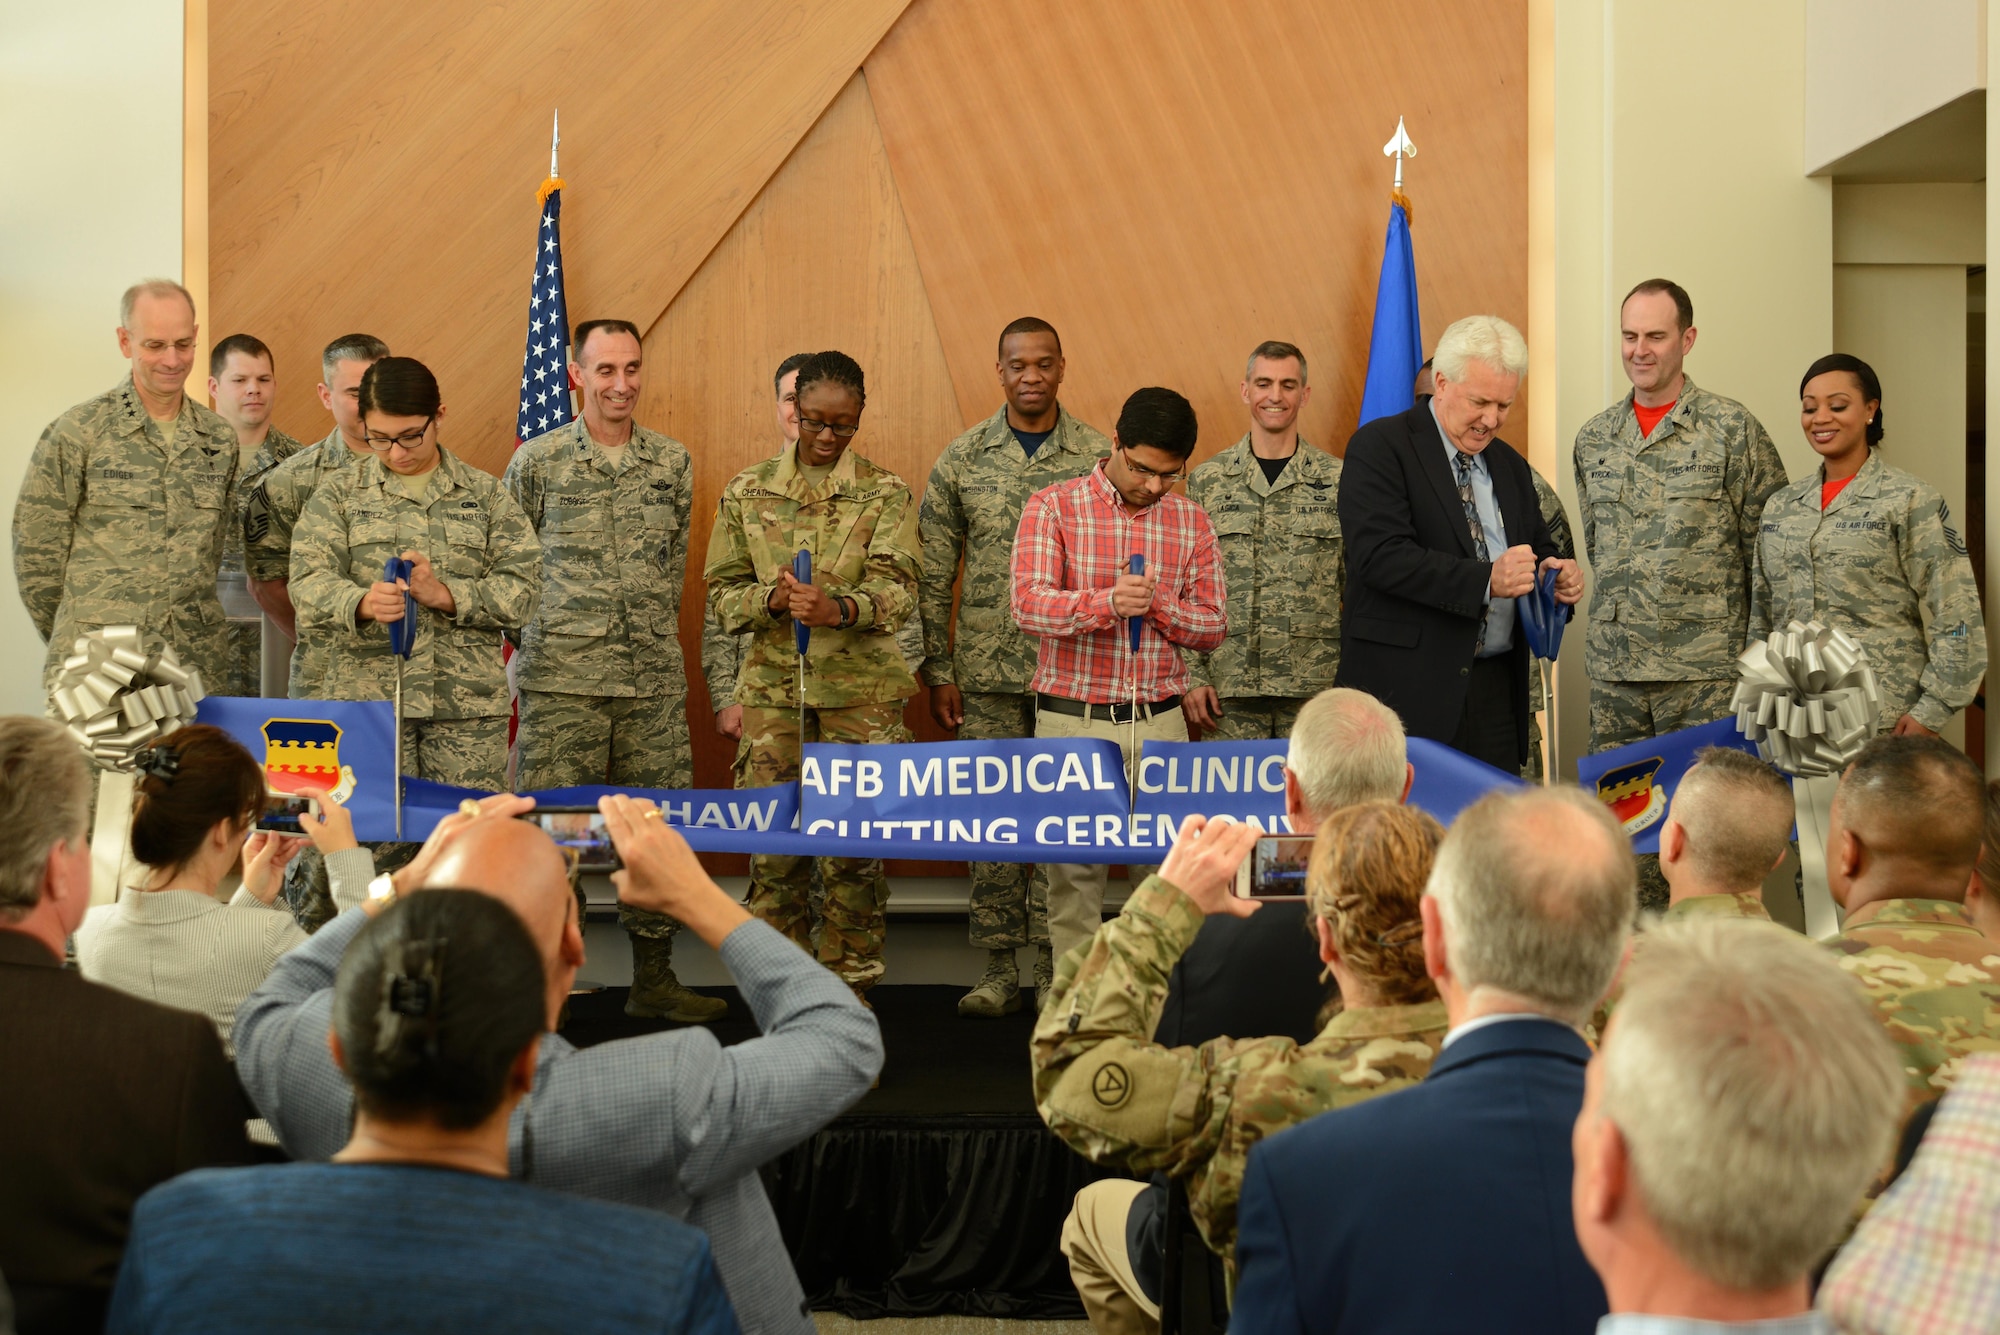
(1873, 67)
(90, 148)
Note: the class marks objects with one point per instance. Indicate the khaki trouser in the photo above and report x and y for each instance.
(1076, 890)
(1093, 1238)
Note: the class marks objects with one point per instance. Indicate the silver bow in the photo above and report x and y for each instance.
(1808, 698)
(117, 695)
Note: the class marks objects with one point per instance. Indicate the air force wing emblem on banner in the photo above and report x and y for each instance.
(305, 753)
(1634, 797)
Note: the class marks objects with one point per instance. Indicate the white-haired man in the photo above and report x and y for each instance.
(1446, 1206)
(1741, 1102)
(1443, 532)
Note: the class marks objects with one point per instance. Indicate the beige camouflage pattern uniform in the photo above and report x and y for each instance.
(1116, 1097)
(115, 527)
(1670, 527)
(1741, 904)
(1285, 566)
(1884, 564)
(860, 524)
(269, 518)
(603, 687)
(1557, 520)
(455, 705)
(971, 509)
(246, 636)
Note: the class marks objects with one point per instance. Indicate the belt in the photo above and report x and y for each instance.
(1057, 704)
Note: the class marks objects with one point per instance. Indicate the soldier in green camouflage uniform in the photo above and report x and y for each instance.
(483, 554)
(1118, 1098)
(976, 661)
(242, 383)
(123, 517)
(1557, 520)
(1284, 563)
(603, 690)
(859, 522)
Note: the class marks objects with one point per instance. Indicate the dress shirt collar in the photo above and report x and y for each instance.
(1643, 1323)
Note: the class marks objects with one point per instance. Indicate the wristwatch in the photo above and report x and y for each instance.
(383, 887)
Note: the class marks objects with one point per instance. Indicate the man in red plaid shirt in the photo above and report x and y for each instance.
(1074, 591)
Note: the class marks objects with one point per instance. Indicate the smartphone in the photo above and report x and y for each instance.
(1276, 868)
(282, 812)
(582, 829)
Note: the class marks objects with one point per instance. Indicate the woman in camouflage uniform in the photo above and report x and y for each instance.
(1869, 549)
(1120, 1099)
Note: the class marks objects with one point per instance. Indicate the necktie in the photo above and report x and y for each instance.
(1478, 533)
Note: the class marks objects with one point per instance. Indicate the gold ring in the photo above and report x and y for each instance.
(651, 813)
(468, 808)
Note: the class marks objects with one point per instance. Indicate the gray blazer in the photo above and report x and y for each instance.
(672, 1121)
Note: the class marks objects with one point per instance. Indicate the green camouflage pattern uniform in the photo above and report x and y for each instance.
(1285, 567)
(603, 689)
(971, 509)
(1934, 981)
(455, 705)
(1116, 1097)
(269, 518)
(1557, 521)
(113, 527)
(1670, 525)
(246, 637)
(1884, 564)
(860, 524)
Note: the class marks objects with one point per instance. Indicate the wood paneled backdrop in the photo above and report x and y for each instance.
(1167, 181)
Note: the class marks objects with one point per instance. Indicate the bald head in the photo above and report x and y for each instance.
(1737, 814)
(1917, 808)
(518, 864)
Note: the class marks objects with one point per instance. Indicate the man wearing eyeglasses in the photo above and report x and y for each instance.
(603, 687)
(123, 514)
(1074, 590)
(977, 663)
(277, 502)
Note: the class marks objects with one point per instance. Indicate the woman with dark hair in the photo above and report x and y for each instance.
(438, 1013)
(168, 938)
(1870, 549)
(859, 522)
(475, 578)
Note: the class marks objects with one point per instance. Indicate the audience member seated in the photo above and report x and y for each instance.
(1902, 846)
(168, 939)
(1246, 977)
(1728, 828)
(1119, 1099)
(1982, 896)
(1445, 1207)
(106, 1095)
(1740, 1105)
(438, 1014)
(672, 1120)
(1927, 1257)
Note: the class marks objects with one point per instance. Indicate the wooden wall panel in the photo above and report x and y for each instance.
(1171, 182)
(374, 167)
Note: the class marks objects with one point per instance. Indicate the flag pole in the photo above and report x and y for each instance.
(555, 143)
(1400, 147)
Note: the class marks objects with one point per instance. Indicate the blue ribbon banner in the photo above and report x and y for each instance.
(1637, 781)
(346, 747)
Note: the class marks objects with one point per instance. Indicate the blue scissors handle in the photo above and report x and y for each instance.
(402, 634)
(802, 571)
(1138, 623)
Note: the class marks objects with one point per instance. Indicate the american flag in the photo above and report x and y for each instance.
(545, 402)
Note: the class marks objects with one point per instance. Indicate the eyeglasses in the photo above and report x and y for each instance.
(808, 427)
(1149, 475)
(161, 345)
(409, 440)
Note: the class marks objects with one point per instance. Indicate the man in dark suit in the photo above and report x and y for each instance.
(106, 1095)
(1443, 532)
(1446, 1207)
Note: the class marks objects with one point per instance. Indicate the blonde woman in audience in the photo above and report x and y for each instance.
(169, 938)
(1118, 1098)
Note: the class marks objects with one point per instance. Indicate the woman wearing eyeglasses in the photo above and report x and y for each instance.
(476, 575)
(859, 521)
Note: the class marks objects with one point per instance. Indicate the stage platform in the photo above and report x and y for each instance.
(940, 1192)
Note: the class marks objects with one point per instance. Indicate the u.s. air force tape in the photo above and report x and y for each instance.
(117, 693)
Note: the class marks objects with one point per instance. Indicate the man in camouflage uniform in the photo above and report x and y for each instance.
(478, 578)
(1670, 483)
(242, 383)
(976, 661)
(859, 522)
(603, 690)
(124, 512)
(277, 501)
(1270, 498)
(1118, 1098)
(1902, 845)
